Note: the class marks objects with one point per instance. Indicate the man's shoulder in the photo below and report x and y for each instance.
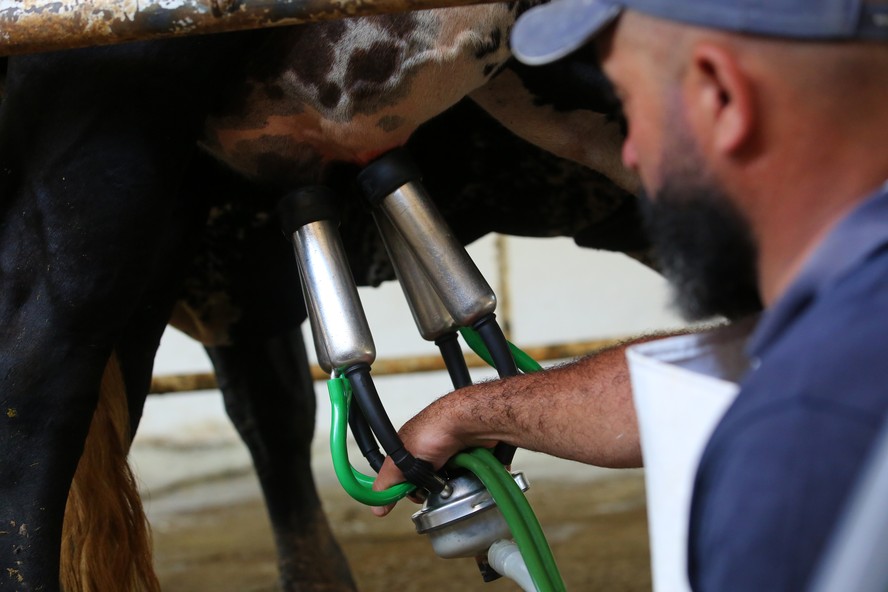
(820, 391)
(781, 461)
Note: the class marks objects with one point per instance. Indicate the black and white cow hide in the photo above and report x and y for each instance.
(136, 185)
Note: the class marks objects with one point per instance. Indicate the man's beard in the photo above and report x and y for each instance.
(703, 246)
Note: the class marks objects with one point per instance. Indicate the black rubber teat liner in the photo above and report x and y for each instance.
(386, 174)
(307, 205)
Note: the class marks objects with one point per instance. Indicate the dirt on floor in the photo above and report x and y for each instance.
(597, 531)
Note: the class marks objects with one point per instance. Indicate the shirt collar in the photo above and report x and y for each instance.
(855, 237)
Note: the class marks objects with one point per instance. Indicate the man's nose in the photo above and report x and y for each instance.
(630, 158)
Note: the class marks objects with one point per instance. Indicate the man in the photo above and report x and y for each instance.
(757, 129)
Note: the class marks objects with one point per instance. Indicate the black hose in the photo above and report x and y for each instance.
(498, 346)
(364, 437)
(368, 398)
(454, 360)
(417, 471)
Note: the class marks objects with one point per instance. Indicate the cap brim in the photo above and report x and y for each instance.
(551, 31)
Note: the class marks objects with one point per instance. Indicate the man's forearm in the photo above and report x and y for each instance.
(581, 411)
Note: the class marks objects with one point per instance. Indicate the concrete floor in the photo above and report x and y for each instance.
(214, 536)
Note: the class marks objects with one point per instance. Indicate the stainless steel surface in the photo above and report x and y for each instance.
(320, 347)
(454, 276)
(467, 522)
(338, 323)
(30, 26)
(429, 313)
(467, 496)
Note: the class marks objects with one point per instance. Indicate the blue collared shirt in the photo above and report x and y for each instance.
(779, 466)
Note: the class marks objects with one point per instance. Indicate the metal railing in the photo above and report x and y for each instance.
(177, 383)
(31, 26)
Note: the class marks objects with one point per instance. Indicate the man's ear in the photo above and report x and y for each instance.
(720, 98)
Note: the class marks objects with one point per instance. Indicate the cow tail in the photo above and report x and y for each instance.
(106, 540)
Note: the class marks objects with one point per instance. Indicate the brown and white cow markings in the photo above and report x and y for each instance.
(351, 90)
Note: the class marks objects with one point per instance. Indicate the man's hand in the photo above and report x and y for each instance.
(437, 433)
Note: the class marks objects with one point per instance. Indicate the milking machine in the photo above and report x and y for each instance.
(474, 507)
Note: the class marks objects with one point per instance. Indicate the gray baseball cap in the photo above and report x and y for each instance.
(551, 31)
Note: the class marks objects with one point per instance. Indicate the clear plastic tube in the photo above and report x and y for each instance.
(505, 557)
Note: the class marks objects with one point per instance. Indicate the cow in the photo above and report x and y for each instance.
(121, 166)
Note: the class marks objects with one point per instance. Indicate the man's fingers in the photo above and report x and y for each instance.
(382, 510)
(389, 475)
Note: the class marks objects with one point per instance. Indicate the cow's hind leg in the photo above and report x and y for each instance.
(269, 395)
(91, 145)
(244, 302)
(106, 542)
(270, 398)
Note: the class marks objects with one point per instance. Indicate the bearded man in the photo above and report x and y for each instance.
(757, 129)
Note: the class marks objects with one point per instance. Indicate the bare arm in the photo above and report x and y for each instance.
(582, 411)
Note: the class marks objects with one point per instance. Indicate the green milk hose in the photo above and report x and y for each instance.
(505, 492)
(518, 515)
(356, 484)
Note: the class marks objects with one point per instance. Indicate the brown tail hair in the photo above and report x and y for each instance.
(106, 541)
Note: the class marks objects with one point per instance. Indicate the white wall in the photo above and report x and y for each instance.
(558, 293)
